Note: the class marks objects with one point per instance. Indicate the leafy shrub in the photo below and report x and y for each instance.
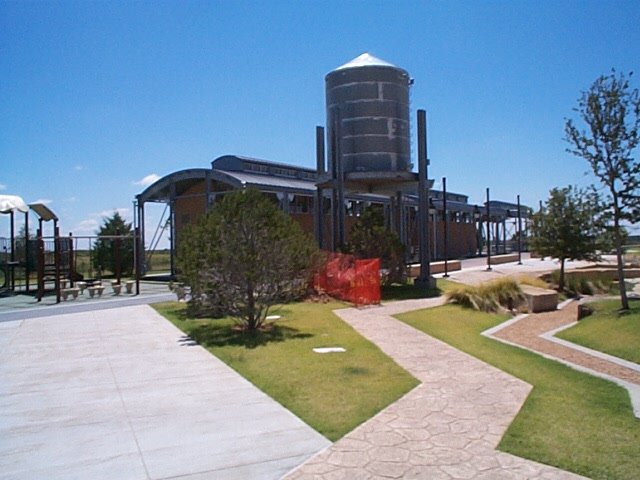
(369, 238)
(244, 257)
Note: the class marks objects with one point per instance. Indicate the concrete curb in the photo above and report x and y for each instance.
(632, 388)
(62, 309)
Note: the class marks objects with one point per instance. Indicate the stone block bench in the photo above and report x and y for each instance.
(95, 289)
(82, 286)
(506, 258)
(540, 299)
(65, 292)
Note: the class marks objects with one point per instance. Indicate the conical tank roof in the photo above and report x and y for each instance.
(365, 60)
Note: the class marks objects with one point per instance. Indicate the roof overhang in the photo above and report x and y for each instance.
(161, 190)
(44, 212)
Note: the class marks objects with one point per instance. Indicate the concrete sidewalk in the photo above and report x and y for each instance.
(474, 271)
(122, 394)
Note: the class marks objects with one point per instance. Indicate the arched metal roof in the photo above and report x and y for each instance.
(160, 191)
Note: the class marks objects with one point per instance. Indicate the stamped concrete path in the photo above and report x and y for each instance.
(122, 394)
(446, 428)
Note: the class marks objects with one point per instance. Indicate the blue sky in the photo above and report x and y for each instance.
(97, 96)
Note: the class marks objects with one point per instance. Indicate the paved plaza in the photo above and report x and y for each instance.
(122, 394)
(109, 389)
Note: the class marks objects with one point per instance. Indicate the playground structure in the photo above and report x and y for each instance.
(51, 263)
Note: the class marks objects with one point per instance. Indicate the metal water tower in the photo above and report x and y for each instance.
(368, 127)
(369, 141)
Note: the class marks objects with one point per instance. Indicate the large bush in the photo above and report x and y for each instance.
(244, 257)
(369, 238)
(105, 249)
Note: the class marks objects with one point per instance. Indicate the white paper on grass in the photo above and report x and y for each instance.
(329, 350)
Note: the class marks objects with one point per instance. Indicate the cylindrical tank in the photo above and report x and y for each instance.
(368, 109)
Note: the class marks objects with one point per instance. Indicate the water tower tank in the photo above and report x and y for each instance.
(368, 111)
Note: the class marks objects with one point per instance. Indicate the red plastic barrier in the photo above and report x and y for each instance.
(344, 277)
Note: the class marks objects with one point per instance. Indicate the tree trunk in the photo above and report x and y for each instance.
(561, 280)
(252, 322)
(623, 288)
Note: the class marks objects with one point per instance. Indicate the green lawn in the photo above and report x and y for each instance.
(570, 420)
(332, 392)
(609, 331)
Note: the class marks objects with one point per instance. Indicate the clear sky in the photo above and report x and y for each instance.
(96, 98)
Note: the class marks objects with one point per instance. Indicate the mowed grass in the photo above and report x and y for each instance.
(609, 331)
(570, 420)
(332, 392)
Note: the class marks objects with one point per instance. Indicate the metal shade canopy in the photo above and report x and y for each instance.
(12, 203)
(44, 212)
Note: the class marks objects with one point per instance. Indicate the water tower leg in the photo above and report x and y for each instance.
(424, 280)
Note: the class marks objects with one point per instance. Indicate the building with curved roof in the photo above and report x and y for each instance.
(368, 165)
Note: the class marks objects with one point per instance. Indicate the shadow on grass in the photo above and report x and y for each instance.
(407, 291)
(213, 334)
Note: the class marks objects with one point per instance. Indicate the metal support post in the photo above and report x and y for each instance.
(519, 234)
(319, 200)
(172, 220)
(488, 233)
(424, 280)
(446, 227)
(56, 249)
(27, 267)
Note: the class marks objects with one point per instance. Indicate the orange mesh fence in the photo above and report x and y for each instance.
(345, 277)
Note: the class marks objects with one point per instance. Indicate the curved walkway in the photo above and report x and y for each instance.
(535, 332)
(446, 428)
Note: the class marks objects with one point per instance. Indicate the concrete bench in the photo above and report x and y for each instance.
(95, 289)
(65, 292)
(507, 258)
(540, 299)
(82, 286)
(117, 287)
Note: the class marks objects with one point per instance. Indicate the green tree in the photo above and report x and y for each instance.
(369, 238)
(104, 249)
(610, 109)
(21, 244)
(244, 257)
(568, 227)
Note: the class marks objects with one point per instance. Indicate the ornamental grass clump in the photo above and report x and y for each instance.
(504, 293)
(532, 281)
